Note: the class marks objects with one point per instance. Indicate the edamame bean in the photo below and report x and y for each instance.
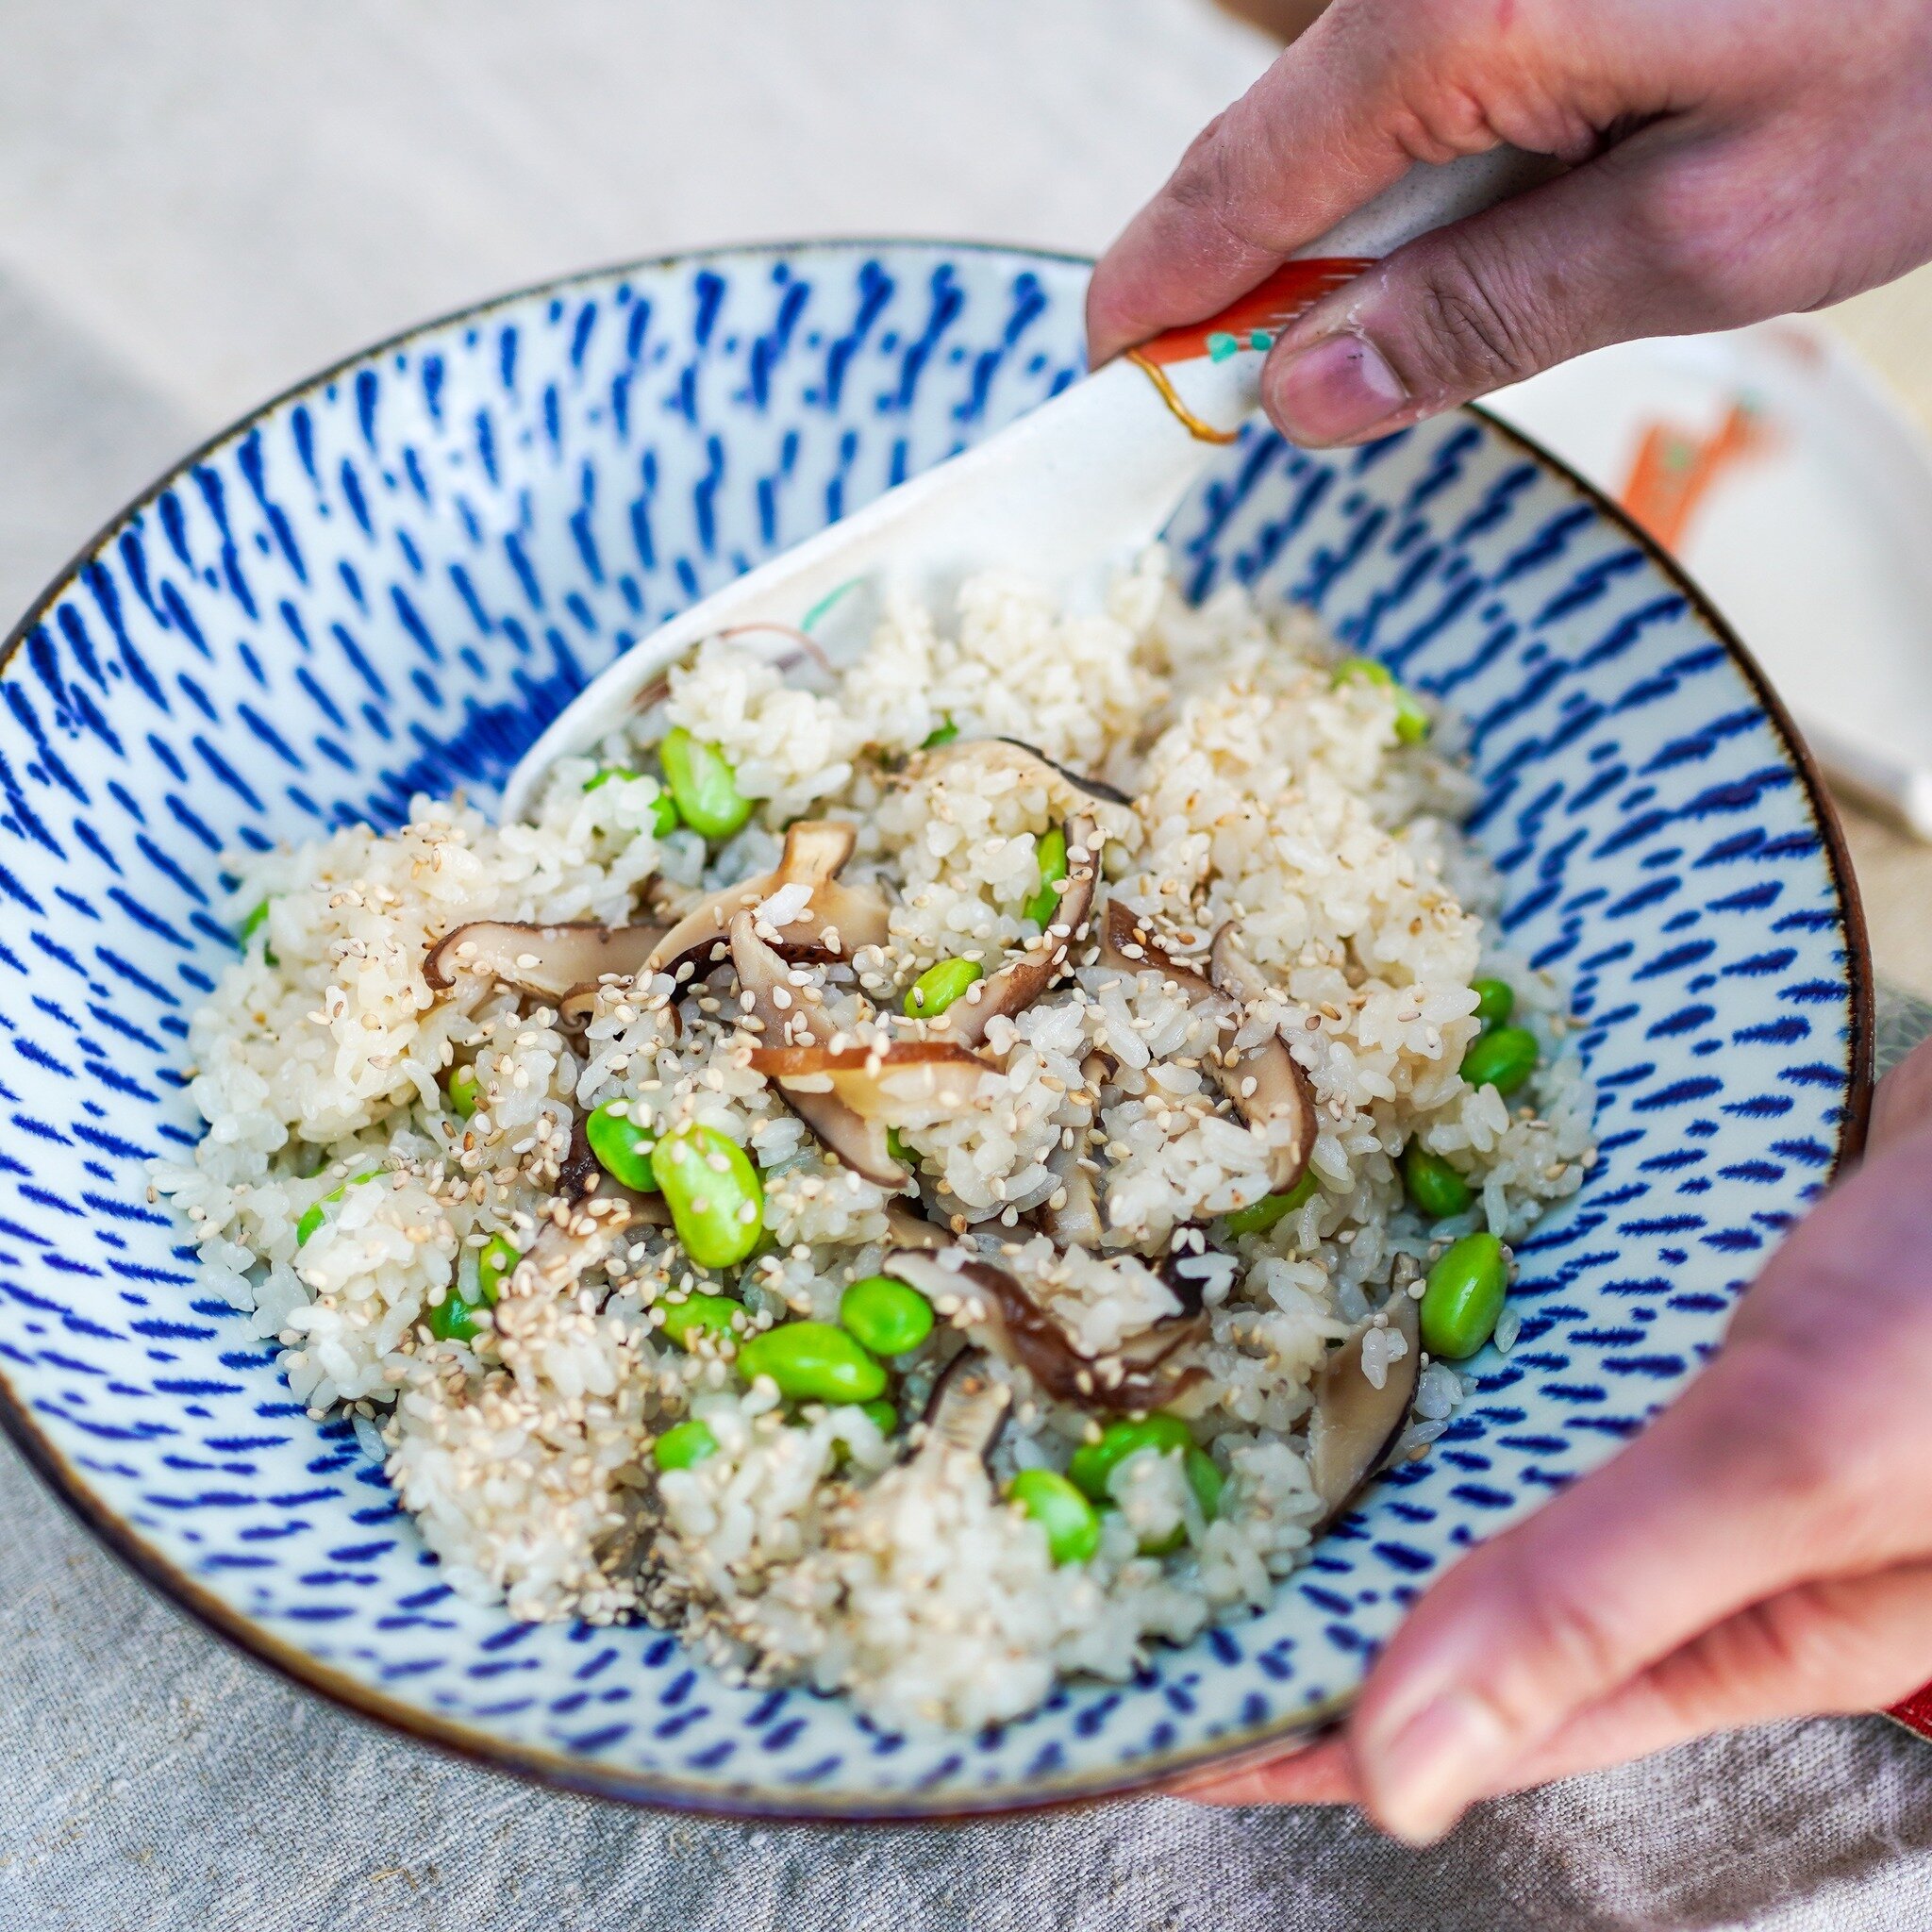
(312, 1217)
(812, 1362)
(1412, 719)
(683, 1445)
(896, 1147)
(622, 1146)
(885, 1315)
(1503, 1059)
(465, 1091)
(1093, 1463)
(1463, 1296)
(1207, 1481)
(663, 807)
(252, 924)
(1053, 872)
(1070, 1520)
(940, 985)
(942, 734)
(1435, 1187)
(884, 1416)
(702, 1316)
(716, 1203)
(1495, 1000)
(496, 1261)
(1257, 1216)
(452, 1319)
(703, 785)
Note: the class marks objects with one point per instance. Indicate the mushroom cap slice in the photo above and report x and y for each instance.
(1354, 1425)
(911, 1229)
(837, 922)
(873, 1080)
(968, 1406)
(1076, 1221)
(548, 960)
(1263, 1083)
(846, 1134)
(1097, 789)
(1133, 1379)
(1281, 1091)
(1023, 979)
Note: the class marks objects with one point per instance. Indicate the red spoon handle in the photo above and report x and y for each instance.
(1290, 292)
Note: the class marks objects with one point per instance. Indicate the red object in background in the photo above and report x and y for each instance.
(1915, 1713)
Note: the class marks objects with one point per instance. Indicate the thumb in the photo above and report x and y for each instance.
(1645, 240)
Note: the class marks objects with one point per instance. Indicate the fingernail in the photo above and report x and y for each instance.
(1333, 390)
(1420, 1778)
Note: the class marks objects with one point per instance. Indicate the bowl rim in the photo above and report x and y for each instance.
(585, 1777)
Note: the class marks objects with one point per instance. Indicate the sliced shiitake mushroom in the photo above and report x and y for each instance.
(887, 1076)
(1025, 978)
(836, 922)
(783, 1016)
(579, 1233)
(1097, 789)
(1137, 1376)
(911, 1229)
(1263, 1083)
(550, 962)
(1075, 1222)
(1354, 1425)
(968, 1406)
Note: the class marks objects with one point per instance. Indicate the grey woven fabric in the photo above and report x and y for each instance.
(199, 200)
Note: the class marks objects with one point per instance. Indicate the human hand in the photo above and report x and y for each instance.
(1734, 158)
(1764, 1550)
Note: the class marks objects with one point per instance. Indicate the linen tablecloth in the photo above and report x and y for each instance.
(198, 203)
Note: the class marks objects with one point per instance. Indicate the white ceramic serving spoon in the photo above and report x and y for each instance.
(1064, 497)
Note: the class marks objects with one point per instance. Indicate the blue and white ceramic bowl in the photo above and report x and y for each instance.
(390, 580)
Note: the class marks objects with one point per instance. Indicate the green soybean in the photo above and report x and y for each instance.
(1053, 872)
(703, 785)
(1093, 1463)
(1495, 1000)
(253, 923)
(940, 985)
(942, 734)
(716, 1203)
(452, 1319)
(812, 1362)
(663, 807)
(622, 1148)
(314, 1217)
(884, 1416)
(1435, 1187)
(1257, 1216)
(496, 1261)
(465, 1091)
(1412, 719)
(1463, 1296)
(1503, 1059)
(885, 1315)
(701, 1317)
(896, 1147)
(1207, 1481)
(1070, 1522)
(683, 1445)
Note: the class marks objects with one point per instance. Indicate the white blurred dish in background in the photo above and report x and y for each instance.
(1774, 464)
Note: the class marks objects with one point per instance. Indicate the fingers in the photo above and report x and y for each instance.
(1727, 1499)
(1320, 1773)
(1371, 88)
(1852, 1644)
(1637, 241)
(1904, 1101)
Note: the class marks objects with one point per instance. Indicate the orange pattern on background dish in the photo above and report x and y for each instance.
(1673, 470)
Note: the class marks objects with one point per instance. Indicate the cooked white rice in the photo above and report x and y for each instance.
(810, 1545)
